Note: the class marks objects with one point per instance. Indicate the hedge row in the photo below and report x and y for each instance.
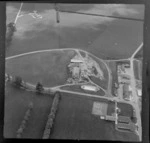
(24, 121)
(18, 82)
(51, 116)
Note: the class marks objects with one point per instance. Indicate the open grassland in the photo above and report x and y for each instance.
(49, 68)
(16, 104)
(74, 120)
(118, 40)
(103, 83)
(77, 88)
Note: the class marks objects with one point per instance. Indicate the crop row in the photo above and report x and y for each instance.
(24, 121)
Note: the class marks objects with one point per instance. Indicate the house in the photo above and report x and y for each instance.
(76, 61)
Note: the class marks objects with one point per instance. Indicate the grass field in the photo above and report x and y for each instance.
(113, 67)
(111, 39)
(77, 88)
(74, 120)
(16, 104)
(49, 68)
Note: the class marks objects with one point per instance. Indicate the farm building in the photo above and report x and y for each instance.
(124, 119)
(127, 92)
(132, 127)
(77, 59)
(90, 88)
(139, 92)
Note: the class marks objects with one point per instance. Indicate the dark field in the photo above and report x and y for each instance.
(137, 68)
(49, 68)
(126, 109)
(16, 104)
(75, 120)
(77, 88)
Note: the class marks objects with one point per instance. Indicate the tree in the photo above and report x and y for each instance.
(18, 81)
(11, 28)
(39, 87)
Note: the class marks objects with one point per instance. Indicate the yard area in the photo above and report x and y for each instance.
(74, 120)
(102, 83)
(16, 104)
(49, 68)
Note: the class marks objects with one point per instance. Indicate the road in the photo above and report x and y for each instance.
(135, 97)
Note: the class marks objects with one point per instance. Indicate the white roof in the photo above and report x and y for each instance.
(89, 87)
(139, 92)
(76, 60)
